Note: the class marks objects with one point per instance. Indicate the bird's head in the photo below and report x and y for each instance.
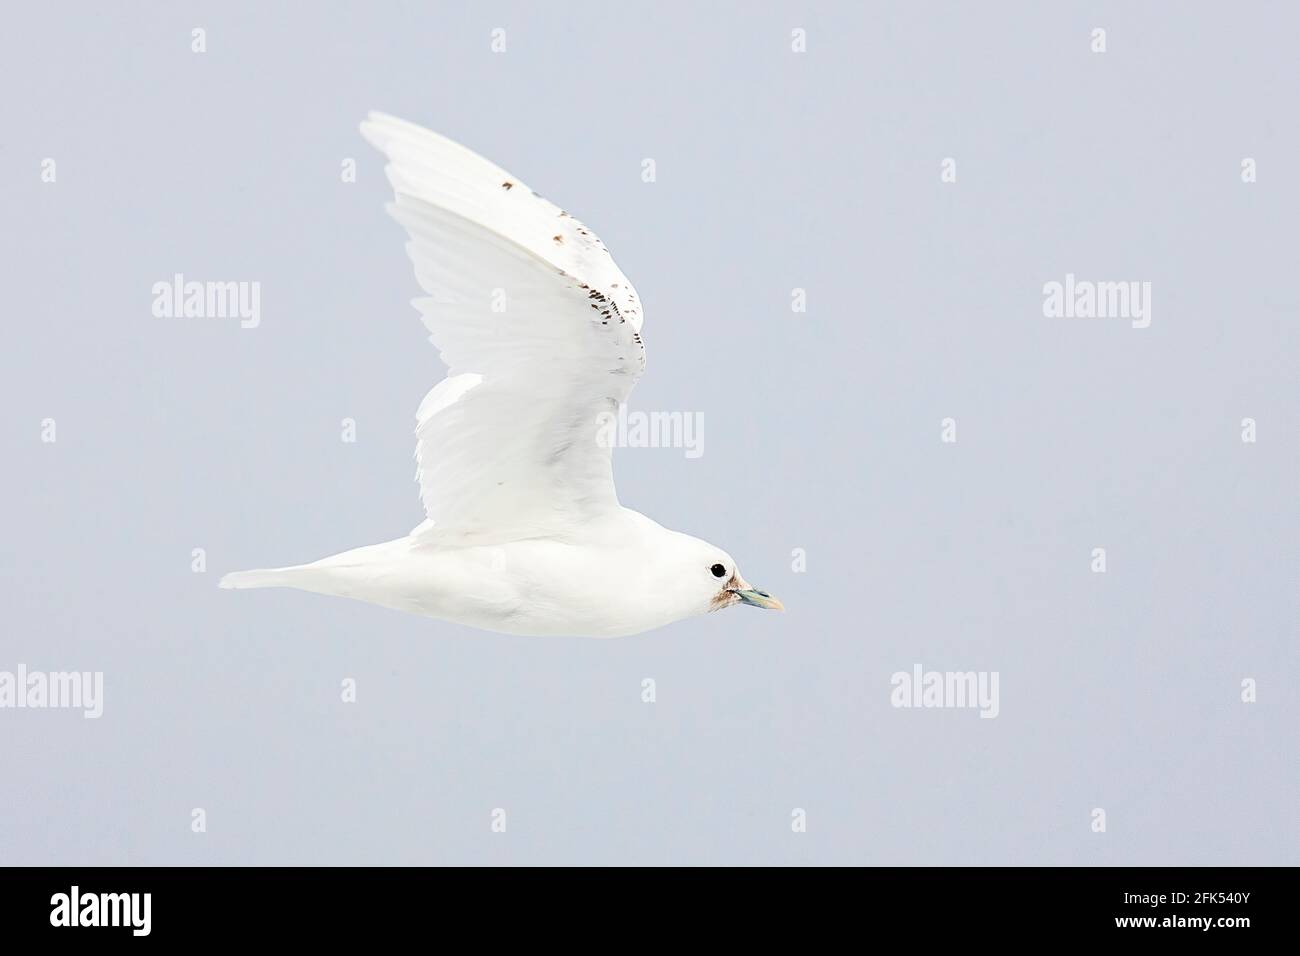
(709, 580)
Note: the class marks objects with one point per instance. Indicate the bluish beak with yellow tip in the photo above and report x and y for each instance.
(757, 598)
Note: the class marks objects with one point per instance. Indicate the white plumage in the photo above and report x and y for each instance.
(540, 331)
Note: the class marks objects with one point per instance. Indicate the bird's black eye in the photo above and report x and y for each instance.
(718, 571)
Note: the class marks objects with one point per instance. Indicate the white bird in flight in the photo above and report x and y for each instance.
(541, 334)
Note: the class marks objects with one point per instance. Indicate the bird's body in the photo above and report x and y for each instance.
(609, 578)
(541, 334)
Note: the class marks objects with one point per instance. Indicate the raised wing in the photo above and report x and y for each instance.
(540, 332)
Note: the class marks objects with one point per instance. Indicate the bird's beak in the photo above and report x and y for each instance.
(757, 598)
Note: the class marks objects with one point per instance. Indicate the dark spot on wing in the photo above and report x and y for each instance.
(507, 185)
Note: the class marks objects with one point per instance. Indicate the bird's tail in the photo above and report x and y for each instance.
(346, 574)
(264, 578)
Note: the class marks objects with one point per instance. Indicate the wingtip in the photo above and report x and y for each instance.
(369, 128)
(379, 127)
(377, 121)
